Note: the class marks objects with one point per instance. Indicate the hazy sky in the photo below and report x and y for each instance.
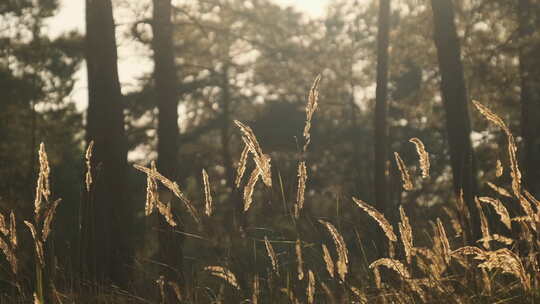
(71, 17)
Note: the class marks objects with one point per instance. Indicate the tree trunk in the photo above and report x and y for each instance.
(529, 68)
(381, 107)
(165, 80)
(107, 220)
(455, 102)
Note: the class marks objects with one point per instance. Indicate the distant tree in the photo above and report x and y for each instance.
(108, 217)
(166, 94)
(455, 102)
(381, 108)
(529, 67)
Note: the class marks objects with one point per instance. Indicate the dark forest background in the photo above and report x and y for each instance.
(389, 71)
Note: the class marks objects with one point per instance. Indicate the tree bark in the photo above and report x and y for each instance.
(165, 83)
(454, 96)
(529, 68)
(107, 218)
(381, 109)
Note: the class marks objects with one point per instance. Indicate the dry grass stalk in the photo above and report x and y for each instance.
(250, 188)
(49, 216)
(527, 207)
(256, 290)
(207, 194)
(152, 195)
(38, 243)
(176, 289)
(499, 190)
(395, 265)
(531, 198)
(241, 167)
(3, 225)
(379, 218)
(499, 169)
(302, 178)
(88, 160)
(328, 260)
(8, 248)
(431, 261)
(166, 211)
(161, 284)
(377, 278)
(405, 231)
(12, 230)
(9, 253)
(311, 106)
(329, 294)
(405, 177)
(272, 255)
(423, 156)
(224, 273)
(262, 164)
(299, 259)
(311, 287)
(468, 250)
(512, 148)
(445, 244)
(453, 221)
(153, 175)
(43, 190)
(499, 208)
(290, 294)
(483, 223)
(360, 296)
(508, 262)
(262, 161)
(486, 282)
(497, 238)
(343, 253)
(489, 115)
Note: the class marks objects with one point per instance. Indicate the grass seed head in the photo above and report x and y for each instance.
(405, 176)
(423, 156)
(378, 217)
(224, 273)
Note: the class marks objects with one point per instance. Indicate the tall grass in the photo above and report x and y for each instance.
(300, 265)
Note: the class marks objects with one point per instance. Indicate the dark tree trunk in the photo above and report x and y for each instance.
(381, 109)
(529, 67)
(107, 218)
(455, 102)
(165, 80)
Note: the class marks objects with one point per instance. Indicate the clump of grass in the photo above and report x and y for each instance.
(44, 211)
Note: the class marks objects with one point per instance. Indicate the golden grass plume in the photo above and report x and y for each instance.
(378, 217)
(207, 194)
(300, 192)
(311, 287)
(299, 259)
(423, 156)
(272, 255)
(405, 231)
(343, 253)
(88, 160)
(328, 260)
(405, 176)
(224, 273)
(311, 106)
